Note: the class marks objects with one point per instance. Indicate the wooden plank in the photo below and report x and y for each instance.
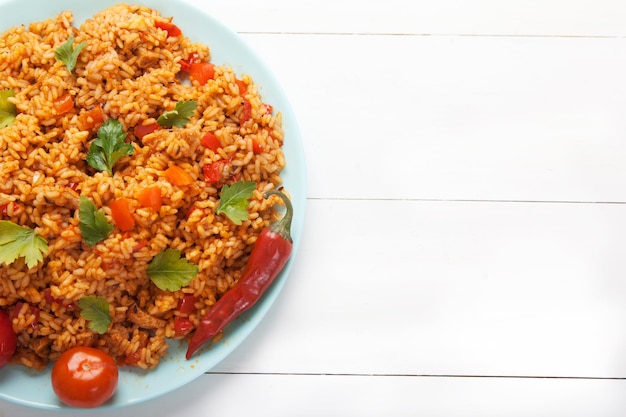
(347, 395)
(449, 288)
(457, 117)
(473, 17)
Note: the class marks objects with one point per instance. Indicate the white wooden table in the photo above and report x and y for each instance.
(465, 240)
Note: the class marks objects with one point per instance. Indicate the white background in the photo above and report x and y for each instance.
(463, 253)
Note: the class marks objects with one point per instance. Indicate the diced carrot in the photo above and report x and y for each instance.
(64, 104)
(150, 198)
(209, 140)
(143, 130)
(178, 176)
(92, 119)
(201, 72)
(172, 29)
(123, 218)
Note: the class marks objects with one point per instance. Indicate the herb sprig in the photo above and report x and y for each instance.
(93, 225)
(95, 310)
(180, 116)
(169, 272)
(18, 241)
(109, 147)
(8, 111)
(67, 54)
(234, 200)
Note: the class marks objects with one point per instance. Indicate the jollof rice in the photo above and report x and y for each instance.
(131, 70)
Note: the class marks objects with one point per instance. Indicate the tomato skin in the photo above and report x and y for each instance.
(8, 339)
(84, 377)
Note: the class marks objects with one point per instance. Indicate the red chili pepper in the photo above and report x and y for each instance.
(269, 255)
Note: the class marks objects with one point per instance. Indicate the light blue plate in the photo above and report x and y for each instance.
(30, 388)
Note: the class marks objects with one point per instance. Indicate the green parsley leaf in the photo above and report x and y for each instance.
(95, 310)
(93, 225)
(67, 54)
(18, 241)
(8, 111)
(169, 271)
(109, 147)
(234, 200)
(180, 116)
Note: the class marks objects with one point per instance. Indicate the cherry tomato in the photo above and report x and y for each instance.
(84, 377)
(8, 339)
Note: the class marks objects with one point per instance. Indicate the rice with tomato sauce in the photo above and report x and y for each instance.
(130, 70)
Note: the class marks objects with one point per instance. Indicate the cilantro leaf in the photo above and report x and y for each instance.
(93, 225)
(234, 200)
(95, 310)
(18, 241)
(169, 271)
(8, 111)
(109, 147)
(180, 116)
(67, 54)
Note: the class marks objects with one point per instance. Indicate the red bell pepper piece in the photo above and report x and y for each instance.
(172, 29)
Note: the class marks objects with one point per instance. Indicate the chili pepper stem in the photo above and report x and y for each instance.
(283, 226)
